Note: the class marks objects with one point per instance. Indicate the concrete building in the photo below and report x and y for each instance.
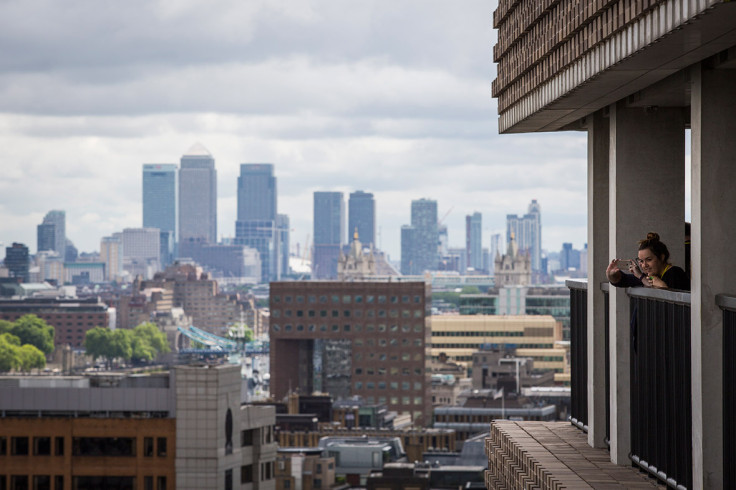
(84, 272)
(352, 338)
(329, 233)
(304, 468)
(284, 232)
(51, 233)
(362, 216)
(50, 267)
(356, 265)
(185, 429)
(17, 261)
(198, 195)
(473, 241)
(459, 336)
(636, 76)
(227, 261)
(111, 254)
(161, 200)
(420, 240)
(71, 318)
(141, 251)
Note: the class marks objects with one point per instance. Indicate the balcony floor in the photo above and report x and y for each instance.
(552, 455)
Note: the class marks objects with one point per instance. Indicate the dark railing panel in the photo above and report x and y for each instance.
(729, 390)
(606, 309)
(661, 421)
(579, 357)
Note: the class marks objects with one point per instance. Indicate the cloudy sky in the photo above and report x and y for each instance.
(388, 97)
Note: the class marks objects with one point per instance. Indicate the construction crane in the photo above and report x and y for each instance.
(439, 221)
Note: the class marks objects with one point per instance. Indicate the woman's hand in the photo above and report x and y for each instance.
(635, 270)
(613, 273)
(654, 282)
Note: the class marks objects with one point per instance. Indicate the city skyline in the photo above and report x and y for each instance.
(401, 113)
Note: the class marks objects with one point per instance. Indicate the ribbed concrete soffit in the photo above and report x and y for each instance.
(548, 50)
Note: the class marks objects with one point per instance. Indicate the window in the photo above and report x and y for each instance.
(147, 483)
(228, 479)
(59, 481)
(42, 482)
(246, 438)
(246, 474)
(19, 446)
(103, 446)
(161, 446)
(19, 482)
(148, 448)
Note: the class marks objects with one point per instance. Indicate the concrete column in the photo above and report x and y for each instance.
(646, 193)
(713, 123)
(598, 154)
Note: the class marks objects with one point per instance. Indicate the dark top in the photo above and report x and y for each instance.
(675, 278)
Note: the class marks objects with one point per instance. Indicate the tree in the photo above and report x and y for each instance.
(153, 336)
(30, 357)
(32, 330)
(9, 358)
(5, 326)
(108, 344)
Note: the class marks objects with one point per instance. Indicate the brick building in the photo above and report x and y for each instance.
(71, 318)
(352, 338)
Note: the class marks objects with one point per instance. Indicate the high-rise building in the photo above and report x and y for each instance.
(141, 251)
(16, 260)
(329, 233)
(473, 241)
(161, 197)
(374, 344)
(257, 226)
(527, 231)
(284, 230)
(198, 195)
(111, 253)
(257, 192)
(420, 241)
(51, 233)
(362, 216)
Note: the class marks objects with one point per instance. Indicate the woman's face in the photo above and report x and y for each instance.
(650, 264)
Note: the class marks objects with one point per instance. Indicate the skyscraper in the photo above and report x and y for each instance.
(422, 239)
(527, 231)
(256, 226)
(362, 216)
(198, 195)
(473, 241)
(329, 233)
(16, 260)
(282, 224)
(51, 233)
(257, 192)
(160, 196)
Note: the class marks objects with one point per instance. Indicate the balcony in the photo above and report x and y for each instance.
(659, 417)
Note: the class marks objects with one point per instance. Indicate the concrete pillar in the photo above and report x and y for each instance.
(598, 154)
(646, 193)
(713, 123)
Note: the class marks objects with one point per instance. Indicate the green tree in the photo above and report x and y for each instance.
(108, 344)
(153, 336)
(30, 357)
(9, 357)
(32, 330)
(470, 290)
(5, 326)
(240, 331)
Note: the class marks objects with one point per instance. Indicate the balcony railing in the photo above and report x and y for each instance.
(728, 305)
(579, 353)
(661, 413)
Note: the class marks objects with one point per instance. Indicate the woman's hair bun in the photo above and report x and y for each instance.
(652, 236)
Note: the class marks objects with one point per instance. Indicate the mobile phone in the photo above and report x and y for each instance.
(624, 264)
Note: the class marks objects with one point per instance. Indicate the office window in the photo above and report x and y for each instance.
(228, 479)
(161, 449)
(42, 482)
(103, 446)
(19, 446)
(3, 446)
(246, 474)
(148, 447)
(59, 482)
(246, 438)
(42, 446)
(147, 483)
(19, 482)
